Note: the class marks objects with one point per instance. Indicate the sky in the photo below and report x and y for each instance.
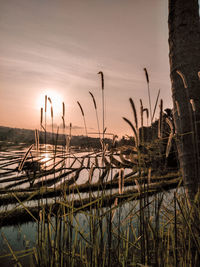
(58, 47)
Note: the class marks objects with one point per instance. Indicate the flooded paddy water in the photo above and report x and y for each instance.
(84, 184)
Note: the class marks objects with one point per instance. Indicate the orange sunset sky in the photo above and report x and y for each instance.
(57, 47)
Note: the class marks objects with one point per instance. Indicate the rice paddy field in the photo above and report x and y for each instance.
(61, 207)
(114, 205)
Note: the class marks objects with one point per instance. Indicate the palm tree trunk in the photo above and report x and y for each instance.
(184, 57)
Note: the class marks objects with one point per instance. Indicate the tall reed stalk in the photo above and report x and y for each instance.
(83, 115)
(103, 105)
(95, 107)
(149, 95)
(156, 103)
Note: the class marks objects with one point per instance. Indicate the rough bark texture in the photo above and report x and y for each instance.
(184, 56)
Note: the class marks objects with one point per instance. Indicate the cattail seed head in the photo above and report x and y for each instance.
(94, 101)
(63, 105)
(102, 79)
(70, 129)
(51, 112)
(45, 103)
(50, 100)
(80, 108)
(134, 112)
(146, 74)
(41, 116)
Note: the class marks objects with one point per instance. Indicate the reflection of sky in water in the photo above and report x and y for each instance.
(46, 156)
(20, 237)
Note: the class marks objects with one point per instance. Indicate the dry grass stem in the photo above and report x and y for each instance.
(97, 117)
(154, 111)
(134, 130)
(121, 181)
(149, 175)
(168, 121)
(51, 112)
(193, 105)
(178, 108)
(41, 116)
(24, 158)
(160, 122)
(169, 145)
(37, 139)
(183, 78)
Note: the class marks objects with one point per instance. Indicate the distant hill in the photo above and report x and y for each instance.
(17, 136)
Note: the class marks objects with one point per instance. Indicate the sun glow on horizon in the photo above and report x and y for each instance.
(54, 100)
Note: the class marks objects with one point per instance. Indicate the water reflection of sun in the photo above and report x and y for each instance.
(45, 158)
(56, 100)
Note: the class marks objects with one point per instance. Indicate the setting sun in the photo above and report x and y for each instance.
(53, 99)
